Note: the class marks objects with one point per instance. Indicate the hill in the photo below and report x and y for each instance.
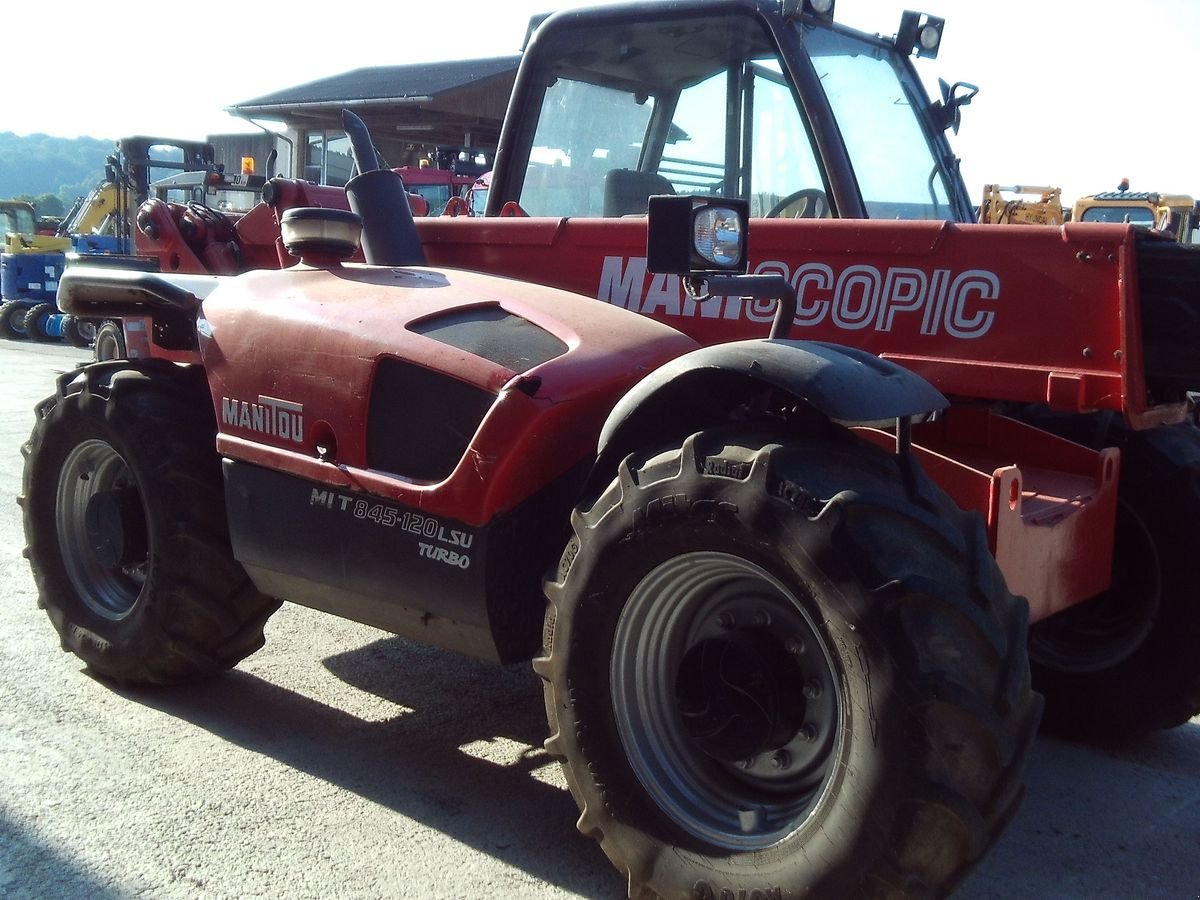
(37, 164)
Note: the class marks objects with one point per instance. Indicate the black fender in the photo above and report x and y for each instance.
(699, 390)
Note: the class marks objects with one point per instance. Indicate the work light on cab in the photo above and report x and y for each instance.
(692, 235)
(920, 33)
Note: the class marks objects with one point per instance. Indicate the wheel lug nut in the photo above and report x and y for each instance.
(812, 689)
(794, 646)
(781, 759)
(726, 620)
(761, 618)
(749, 762)
(808, 732)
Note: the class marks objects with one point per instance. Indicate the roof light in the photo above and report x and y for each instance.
(930, 37)
(920, 33)
(247, 165)
(808, 9)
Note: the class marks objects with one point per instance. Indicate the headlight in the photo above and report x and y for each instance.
(718, 236)
(696, 234)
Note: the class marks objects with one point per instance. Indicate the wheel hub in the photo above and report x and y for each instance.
(116, 527)
(740, 695)
(102, 529)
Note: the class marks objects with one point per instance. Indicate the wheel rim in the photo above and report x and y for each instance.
(102, 529)
(108, 343)
(726, 700)
(16, 320)
(1107, 629)
(84, 330)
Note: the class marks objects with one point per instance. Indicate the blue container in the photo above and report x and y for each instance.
(55, 325)
(31, 277)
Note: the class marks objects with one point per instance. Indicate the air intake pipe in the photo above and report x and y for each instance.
(377, 195)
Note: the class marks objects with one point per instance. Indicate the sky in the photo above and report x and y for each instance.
(1073, 93)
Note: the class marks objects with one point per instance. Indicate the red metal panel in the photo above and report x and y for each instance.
(291, 357)
(1050, 505)
(1030, 314)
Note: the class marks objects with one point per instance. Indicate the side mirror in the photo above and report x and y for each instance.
(948, 110)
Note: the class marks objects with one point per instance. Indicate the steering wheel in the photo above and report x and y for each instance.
(808, 203)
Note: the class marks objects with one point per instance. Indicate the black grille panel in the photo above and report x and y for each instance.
(493, 334)
(420, 421)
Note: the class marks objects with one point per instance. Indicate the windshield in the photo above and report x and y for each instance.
(18, 220)
(897, 169)
(436, 195)
(703, 104)
(1138, 215)
(633, 109)
(477, 201)
(573, 151)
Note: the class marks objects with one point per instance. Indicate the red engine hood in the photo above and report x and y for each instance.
(292, 357)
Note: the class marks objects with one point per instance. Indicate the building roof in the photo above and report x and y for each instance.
(458, 102)
(382, 83)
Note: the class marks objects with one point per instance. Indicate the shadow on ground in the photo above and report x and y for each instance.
(411, 762)
(32, 869)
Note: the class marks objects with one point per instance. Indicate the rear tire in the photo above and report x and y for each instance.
(126, 530)
(37, 321)
(770, 670)
(12, 320)
(1125, 662)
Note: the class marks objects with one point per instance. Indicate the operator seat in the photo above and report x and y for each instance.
(627, 192)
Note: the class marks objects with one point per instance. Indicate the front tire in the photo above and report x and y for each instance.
(126, 530)
(770, 671)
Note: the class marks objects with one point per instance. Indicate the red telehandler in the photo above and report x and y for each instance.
(779, 658)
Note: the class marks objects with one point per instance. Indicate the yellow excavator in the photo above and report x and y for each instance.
(1021, 204)
(98, 211)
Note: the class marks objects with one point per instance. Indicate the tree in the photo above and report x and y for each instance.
(49, 205)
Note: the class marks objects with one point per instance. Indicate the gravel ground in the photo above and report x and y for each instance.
(341, 761)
